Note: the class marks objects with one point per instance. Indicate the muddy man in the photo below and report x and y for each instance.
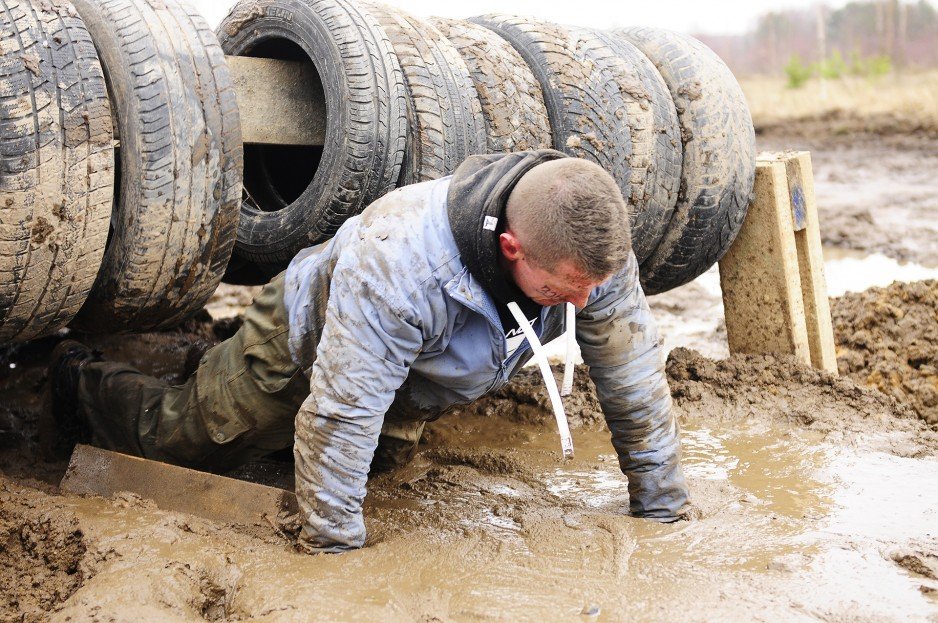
(400, 316)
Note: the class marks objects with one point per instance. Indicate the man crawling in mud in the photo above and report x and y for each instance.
(400, 316)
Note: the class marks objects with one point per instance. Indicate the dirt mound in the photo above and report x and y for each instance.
(848, 123)
(41, 551)
(753, 387)
(888, 338)
(779, 389)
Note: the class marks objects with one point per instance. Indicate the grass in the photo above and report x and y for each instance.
(907, 99)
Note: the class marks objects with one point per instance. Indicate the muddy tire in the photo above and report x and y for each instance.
(511, 99)
(579, 94)
(56, 167)
(444, 113)
(655, 134)
(718, 157)
(179, 164)
(301, 195)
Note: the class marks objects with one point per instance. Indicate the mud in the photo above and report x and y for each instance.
(817, 499)
(488, 523)
(888, 338)
(41, 551)
(845, 125)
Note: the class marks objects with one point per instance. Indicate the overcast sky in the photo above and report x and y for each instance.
(714, 17)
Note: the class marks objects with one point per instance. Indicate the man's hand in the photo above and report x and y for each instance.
(690, 512)
(289, 527)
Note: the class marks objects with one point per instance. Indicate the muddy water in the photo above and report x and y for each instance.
(794, 528)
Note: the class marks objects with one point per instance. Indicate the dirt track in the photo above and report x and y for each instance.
(817, 494)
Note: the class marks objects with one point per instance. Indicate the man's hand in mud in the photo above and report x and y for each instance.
(691, 512)
(289, 527)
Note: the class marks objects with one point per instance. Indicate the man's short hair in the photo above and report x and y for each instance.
(571, 209)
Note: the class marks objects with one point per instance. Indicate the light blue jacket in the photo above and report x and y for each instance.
(387, 311)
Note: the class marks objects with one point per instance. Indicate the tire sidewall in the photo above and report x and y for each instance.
(260, 230)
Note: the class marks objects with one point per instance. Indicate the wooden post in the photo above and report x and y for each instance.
(811, 261)
(772, 277)
(280, 102)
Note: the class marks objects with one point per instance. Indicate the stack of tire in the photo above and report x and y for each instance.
(408, 99)
(121, 160)
(120, 165)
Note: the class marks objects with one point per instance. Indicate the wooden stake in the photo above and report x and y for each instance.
(280, 102)
(759, 274)
(774, 289)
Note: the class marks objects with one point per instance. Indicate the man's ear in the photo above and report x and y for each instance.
(510, 246)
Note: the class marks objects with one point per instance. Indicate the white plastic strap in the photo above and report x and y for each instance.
(567, 388)
(566, 441)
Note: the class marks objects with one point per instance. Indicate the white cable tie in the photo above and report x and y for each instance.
(567, 388)
(566, 441)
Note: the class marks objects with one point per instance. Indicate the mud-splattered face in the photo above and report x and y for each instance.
(564, 283)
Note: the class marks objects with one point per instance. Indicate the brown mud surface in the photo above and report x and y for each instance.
(41, 551)
(888, 338)
(817, 499)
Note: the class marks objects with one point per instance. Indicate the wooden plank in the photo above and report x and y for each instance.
(760, 276)
(280, 102)
(811, 263)
(105, 473)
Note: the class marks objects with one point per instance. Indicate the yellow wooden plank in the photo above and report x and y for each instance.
(759, 275)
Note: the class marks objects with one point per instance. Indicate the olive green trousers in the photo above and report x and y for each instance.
(238, 406)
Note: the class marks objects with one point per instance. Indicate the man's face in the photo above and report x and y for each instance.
(564, 283)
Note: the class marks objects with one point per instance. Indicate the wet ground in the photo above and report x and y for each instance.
(829, 520)
(818, 495)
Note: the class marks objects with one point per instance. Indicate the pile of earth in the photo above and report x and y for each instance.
(888, 338)
(767, 388)
(848, 124)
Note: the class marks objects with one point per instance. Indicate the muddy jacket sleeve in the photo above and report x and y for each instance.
(619, 342)
(367, 346)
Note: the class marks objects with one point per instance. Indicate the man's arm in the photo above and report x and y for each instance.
(619, 341)
(367, 346)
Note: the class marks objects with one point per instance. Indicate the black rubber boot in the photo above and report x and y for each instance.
(61, 425)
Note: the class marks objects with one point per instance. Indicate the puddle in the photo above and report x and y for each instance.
(854, 271)
(795, 528)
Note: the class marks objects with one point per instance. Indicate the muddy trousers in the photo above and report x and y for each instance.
(238, 406)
